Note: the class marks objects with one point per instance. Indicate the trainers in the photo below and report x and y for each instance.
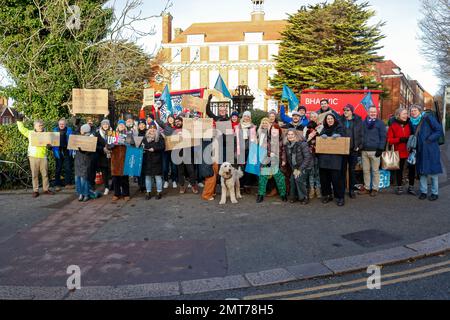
(422, 196)
(411, 191)
(174, 185)
(148, 196)
(115, 198)
(80, 198)
(106, 192)
(374, 193)
(159, 196)
(126, 198)
(201, 185)
(49, 193)
(85, 199)
(166, 184)
(182, 189)
(433, 197)
(58, 189)
(195, 189)
(399, 190)
(189, 186)
(364, 191)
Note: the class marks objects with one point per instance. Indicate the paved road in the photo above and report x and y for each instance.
(425, 279)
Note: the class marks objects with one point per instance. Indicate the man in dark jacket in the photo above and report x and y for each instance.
(373, 146)
(223, 116)
(325, 107)
(296, 122)
(353, 129)
(63, 156)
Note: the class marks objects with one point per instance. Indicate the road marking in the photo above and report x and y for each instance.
(342, 284)
(362, 288)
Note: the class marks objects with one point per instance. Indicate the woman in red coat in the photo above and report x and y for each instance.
(398, 135)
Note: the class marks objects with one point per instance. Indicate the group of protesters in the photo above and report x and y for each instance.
(290, 166)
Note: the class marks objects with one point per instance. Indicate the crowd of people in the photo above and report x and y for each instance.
(290, 166)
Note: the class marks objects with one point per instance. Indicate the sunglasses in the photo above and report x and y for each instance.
(346, 110)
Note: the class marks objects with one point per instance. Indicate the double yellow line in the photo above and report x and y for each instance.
(309, 293)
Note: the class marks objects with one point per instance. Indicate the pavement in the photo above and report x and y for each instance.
(181, 245)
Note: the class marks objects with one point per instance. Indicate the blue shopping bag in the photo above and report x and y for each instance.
(133, 162)
(255, 154)
(385, 179)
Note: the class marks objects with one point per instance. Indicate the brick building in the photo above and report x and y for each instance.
(241, 52)
(7, 115)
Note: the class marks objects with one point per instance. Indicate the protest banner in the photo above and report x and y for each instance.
(89, 101)
(85, 143)
(194, 103)
(333, 146)
(42, 139)
(133, 162)
(198, 128)
(149, 97)
(176, 142)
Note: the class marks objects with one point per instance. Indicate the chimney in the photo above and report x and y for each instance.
(177, 32)
(167, 28)
(258, 10)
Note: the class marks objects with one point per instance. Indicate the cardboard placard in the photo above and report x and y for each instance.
(194, 103)
(42, 139)
(224, 127)
(176, 142)
(85, 143)
(89, 101)
(333, 146)
(149, 97)
(198, 128)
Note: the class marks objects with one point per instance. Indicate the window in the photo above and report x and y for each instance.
(195, 54)
(213, 75)
(233, 79)
(253, 79)
(176, 81)
(6, 120)
(233, 53)
(253, 52)
(214, 53)
(196, 38)
(273, 51)
(254, 37)
(195, 79)
(176, 54)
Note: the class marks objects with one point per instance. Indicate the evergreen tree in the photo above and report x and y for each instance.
(329, 46)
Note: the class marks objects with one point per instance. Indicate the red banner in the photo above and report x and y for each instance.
(338, 101)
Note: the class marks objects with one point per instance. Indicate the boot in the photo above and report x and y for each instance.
(411, 191)
(312, 193)
(272, 193)
(260, 199)
(318, 193)
(159, 196)
(148, 196)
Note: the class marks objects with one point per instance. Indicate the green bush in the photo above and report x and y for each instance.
(257, 116)
(14, 147)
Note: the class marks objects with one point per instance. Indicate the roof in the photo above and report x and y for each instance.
(234, 31)
(3, 109)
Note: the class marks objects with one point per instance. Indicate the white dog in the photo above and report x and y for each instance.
(230, 182)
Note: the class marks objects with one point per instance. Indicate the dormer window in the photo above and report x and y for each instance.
(196, 38)
(255, 37)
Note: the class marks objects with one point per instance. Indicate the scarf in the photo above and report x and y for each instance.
(415, 121)
(291, 146)
(245, 126)
(370, 123)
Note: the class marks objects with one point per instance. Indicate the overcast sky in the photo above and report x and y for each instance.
(401, 44)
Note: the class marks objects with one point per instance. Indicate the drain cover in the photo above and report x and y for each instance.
(371, 238)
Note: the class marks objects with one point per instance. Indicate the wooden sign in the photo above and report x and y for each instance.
(85, 143)
(89, 101)
(176, 142)
(194, 103)
(149, 97)
(198, 128)
(224, 127)
(333, 146)
(42, 139)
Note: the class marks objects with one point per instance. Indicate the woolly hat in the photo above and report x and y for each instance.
(235, 113)
(152, 125)
(85, 129)
(351, 107)
(121, 122)
(143, 121)
(247, 114)
(301, 108)
(273, 112)
(105, 121)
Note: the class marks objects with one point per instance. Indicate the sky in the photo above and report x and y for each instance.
(401, 16)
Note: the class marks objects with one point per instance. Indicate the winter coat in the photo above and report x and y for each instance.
(286, 119)
(331, 161)
(353, 129)
(34, 152)
(428, 151)
(397, 131)
(102, 142)
(266, 143)
(153, 161)
(375, 137)
(301, 153)
(56, 149)
(83, 163)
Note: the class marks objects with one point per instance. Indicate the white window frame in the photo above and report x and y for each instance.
(194, 79)
(255, 37)
(253, 52)
(195, 38)
(176, 81)
(214, 53)
(233, 52)
(194, 54)
(213, 75)
(253, 79)
(233, 79)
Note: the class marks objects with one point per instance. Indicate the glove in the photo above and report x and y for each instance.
(378, 153)
(49, 146)
(20, 117)
(324, 136)
(404, 140)
(335, 136)
(297, 173)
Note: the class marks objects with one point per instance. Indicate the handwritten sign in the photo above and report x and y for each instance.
(194, 103)
(149, 97)
(333, 146)
(42, 139)
(90, 101)
(176, 142)
(85, 143)
(198, 128)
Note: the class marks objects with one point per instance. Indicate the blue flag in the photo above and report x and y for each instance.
(221, 87)
(133, 162)
(255, 154)
(290, 96)
(367, 102)
(167, 99)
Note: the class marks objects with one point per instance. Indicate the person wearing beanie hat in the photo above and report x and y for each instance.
(120, 182)
(103, 134)
(152, 168)
(353, 129)
(83, 167)
(63, 156)
(247, 133)
(290, 122)
(272, 116)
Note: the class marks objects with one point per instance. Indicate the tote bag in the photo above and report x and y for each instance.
(390, 159)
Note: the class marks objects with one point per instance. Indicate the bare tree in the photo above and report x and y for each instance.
(435, 36)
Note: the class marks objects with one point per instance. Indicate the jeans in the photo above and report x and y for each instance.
(63, 162)
(370, 162)
(169, 166)
(314, 176)
(149, 183)
(298, 185)
(82, 186)
(434, 184)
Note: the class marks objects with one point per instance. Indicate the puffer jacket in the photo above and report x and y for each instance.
(300, 153)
